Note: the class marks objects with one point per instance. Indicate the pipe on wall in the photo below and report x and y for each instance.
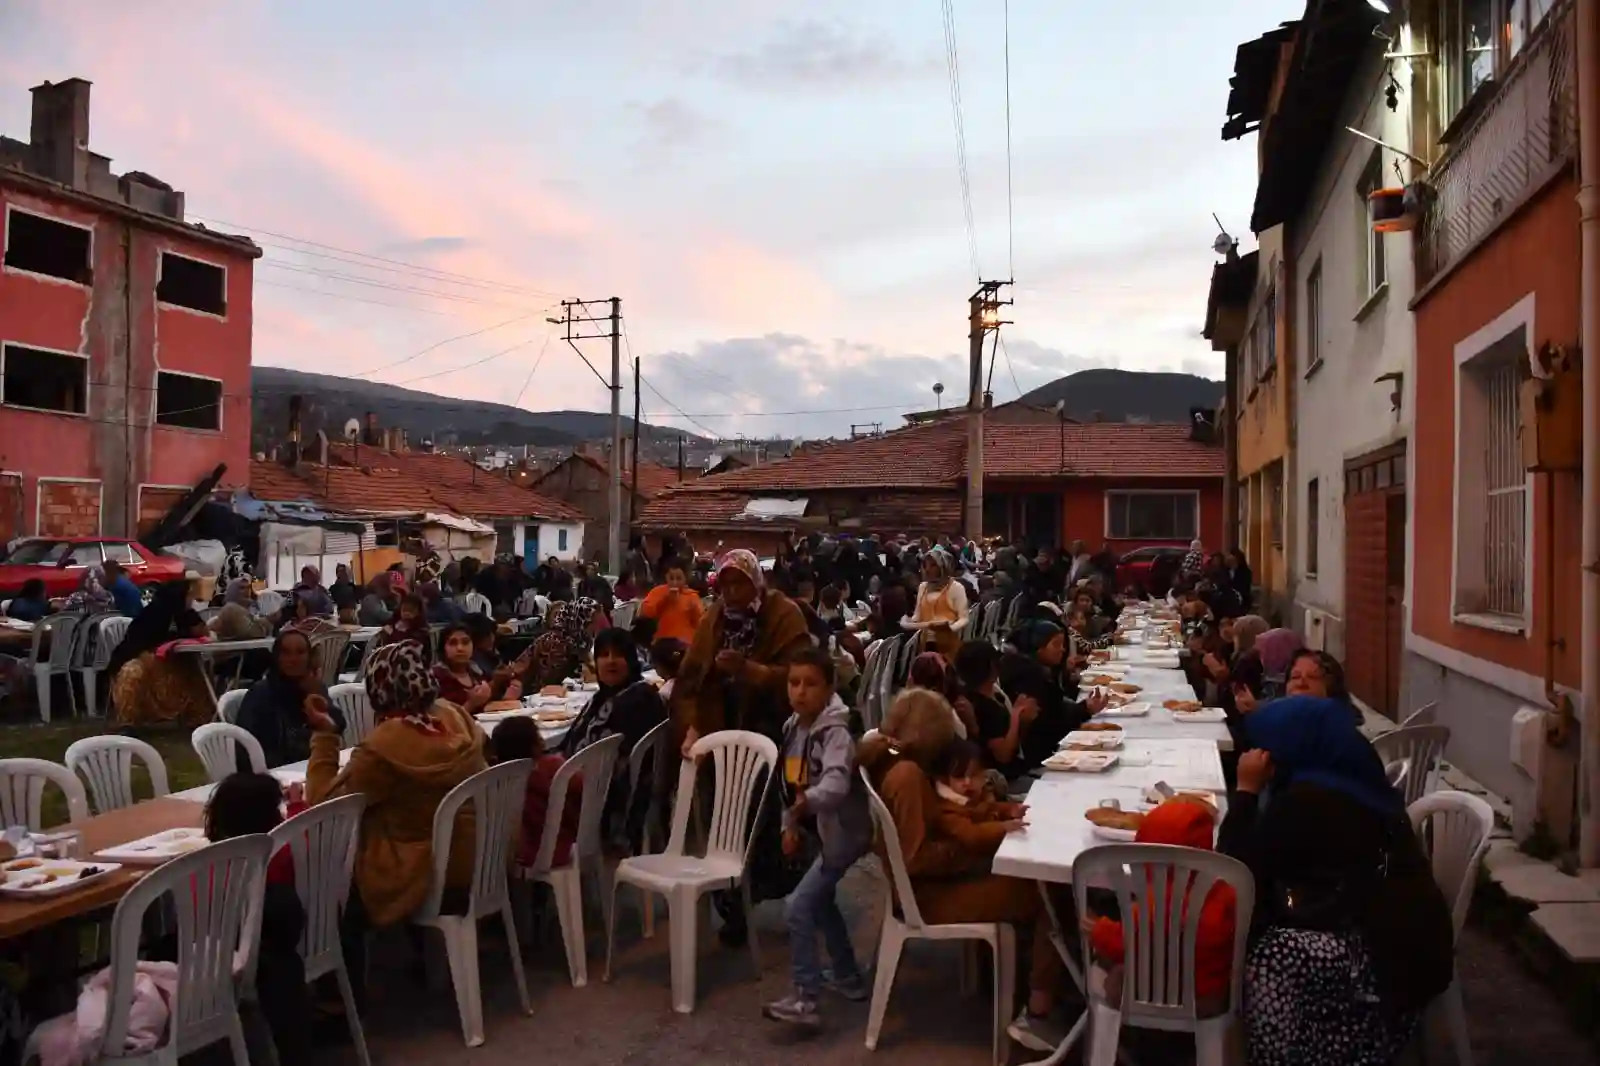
(1588, 55)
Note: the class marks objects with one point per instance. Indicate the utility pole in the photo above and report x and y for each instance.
(633, 486)
(983, 318)
(680, 458)
(579, 312)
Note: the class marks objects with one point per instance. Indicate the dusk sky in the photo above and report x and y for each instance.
(770, 187)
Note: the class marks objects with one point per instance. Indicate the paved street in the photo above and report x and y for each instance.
(1515, 1020)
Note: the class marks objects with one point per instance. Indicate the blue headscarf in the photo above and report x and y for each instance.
(1315, 740)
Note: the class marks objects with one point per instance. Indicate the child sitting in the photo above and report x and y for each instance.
(241, 805)
(666, 657)
(1191, 824)
(518, 738)
(827, 803)
(970, 812)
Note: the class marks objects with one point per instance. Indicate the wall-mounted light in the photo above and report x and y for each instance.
(1380, 6)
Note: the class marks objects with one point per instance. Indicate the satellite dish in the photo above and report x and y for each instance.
(938, 388)
(352, 429)
(1223, 244)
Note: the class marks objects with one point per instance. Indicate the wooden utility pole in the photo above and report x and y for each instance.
(983, 318)
(633, 486)
(578, 312)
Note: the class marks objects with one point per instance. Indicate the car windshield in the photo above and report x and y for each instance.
(38, 553)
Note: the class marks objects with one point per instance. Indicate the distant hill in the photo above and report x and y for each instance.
(328, 402)
(1129, 396)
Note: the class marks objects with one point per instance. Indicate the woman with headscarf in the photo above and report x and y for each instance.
(1354, 937)
(238, 619)
(735, 676)
(949, 876)
(148, 684)
(559, 651)
(91, 595)
(1036, 669)
(420, 749)
(1277, 649)
(931, 671)
(300, 617)
(941, 610)
(378, 605)
(275, 709)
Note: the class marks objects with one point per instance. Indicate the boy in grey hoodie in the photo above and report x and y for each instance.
(824, 802)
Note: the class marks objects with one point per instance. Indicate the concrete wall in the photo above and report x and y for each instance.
(1083, 511)
(549, 540)
(1262, 427)
(128, 337)
(1341, 412)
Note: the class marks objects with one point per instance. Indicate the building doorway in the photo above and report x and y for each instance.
(1375, 576)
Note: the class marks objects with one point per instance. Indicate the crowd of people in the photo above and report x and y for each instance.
(1350, 937)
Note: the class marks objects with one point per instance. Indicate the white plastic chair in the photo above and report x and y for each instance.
(352, 699)
(1454, 828)
(907, 924)
(107, 635)
(625, 613)
(1427, 714)
(63, 630)
(476, 603)
(1161, 891)
(217, 742)
(228, 704)
(742, 763)
(360, 672)
(597, 763)
(497, 796)
(106, 762)
(327, 654)
(216, 893)
(322, 840)
(1420, 747)
(651, 750)
(22, 783)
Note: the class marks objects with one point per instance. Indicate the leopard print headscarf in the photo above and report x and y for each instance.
(400, 684)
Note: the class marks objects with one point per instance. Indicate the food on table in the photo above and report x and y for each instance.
(1116, 699)
(1188, 706)
(503, 705)
(23, 864)
(1092, 740)
(554, 690)
(89, 871)
(1203, 798)
(1098, 679)
(1100, 656)
(1120, 638)
(504, 630)
(8, 851)
(1086, 762)
(1099, 727)
(1125, 687)
(1112, 818)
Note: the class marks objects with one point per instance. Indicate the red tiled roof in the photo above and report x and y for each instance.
(434, 483)
(936, 510)
(653, 477)
(917, 457)
(676, 509)
(1098, 449)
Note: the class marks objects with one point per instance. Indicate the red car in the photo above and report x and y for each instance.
(1133, 569)
(60, 562)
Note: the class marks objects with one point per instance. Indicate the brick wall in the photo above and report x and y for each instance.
(12, 523)
(69, 508)
(154, 503)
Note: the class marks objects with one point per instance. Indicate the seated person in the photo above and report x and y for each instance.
(31, 604)
(462, 681)
(969, 812)
(518, 738)
(278, 709)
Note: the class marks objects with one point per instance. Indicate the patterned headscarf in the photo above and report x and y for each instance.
(91, 594)
(744, 560)
(401, 684)
(238, 592)
(572, 621)
(945, 564)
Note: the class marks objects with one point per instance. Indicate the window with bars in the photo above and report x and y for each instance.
(1492, 485)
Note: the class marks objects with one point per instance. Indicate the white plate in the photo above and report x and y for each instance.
(29, 883)
(1081, 762)
(1203, 715)
(1127, 710)
(1100, 739)
(156, 848)
(1121, 836)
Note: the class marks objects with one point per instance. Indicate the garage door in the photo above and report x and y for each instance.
(1375, 566)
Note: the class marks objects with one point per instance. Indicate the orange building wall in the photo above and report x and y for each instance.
(1538, 252)
(1083, 511)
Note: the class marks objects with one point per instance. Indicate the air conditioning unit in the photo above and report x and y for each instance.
(1316, 628)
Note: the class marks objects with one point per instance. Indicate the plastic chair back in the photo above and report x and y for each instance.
(1421, 747)
(358, 717)
(497, 796)
(216, 895)
(1454, 828)
(228, 704)
(1427, 714)
(217, 744)
(898, 878)
(106, 762)
(63, 630)
(22, 783)
(269, 603)
(371, 649)
(651, 750)
(322, 840)
(742, 764)
(107, 636)
(86, 636)
(597, 763)
(476, 603)
(623, 618)
(1161, 892)
(327, 652)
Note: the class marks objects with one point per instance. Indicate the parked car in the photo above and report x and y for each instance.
(1133, 569)
(60, 562)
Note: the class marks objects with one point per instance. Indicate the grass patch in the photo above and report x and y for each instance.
(49, 741)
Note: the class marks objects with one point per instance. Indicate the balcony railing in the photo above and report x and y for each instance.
(1520, 137)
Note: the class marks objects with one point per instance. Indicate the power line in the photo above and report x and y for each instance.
(422, 273)
(686, 416)
(531, 370)
(353, 299)
(953, 76)
(768, 414)
(468, 366)
(355, 279)
(1007, 353)
(452, 340)
(351, 251)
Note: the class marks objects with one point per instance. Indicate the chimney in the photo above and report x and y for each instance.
(294, 431)
(1203, 425)
(372, 438)
(322, 448)
(1097, 416)
(60, 132)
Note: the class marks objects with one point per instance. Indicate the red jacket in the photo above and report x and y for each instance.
(537, 804)
(1189, 825)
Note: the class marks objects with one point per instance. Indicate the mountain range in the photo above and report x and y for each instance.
(1128, 395)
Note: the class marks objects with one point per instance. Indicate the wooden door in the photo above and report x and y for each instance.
(1374, 577)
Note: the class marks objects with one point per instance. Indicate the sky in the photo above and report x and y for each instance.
(772, 189)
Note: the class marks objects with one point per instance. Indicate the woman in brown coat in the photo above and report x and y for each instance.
(952, 881)
(735, 676)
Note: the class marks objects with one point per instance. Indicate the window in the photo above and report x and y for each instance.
(84, 555)
(38, 553)
(44, 380)
(1313, 524)
(188, 401)
(561, 540)
(1492, 486)
(190, 283)
(121, 553)
(1152, 515)
(1375, 271)
(1314, 317)
(1275, 503)
(49, 246)
(1477, 41)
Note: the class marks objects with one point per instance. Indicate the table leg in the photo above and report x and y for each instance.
(205, 675)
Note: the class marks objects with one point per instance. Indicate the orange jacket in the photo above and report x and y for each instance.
(677, 614)
(1189, 825)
